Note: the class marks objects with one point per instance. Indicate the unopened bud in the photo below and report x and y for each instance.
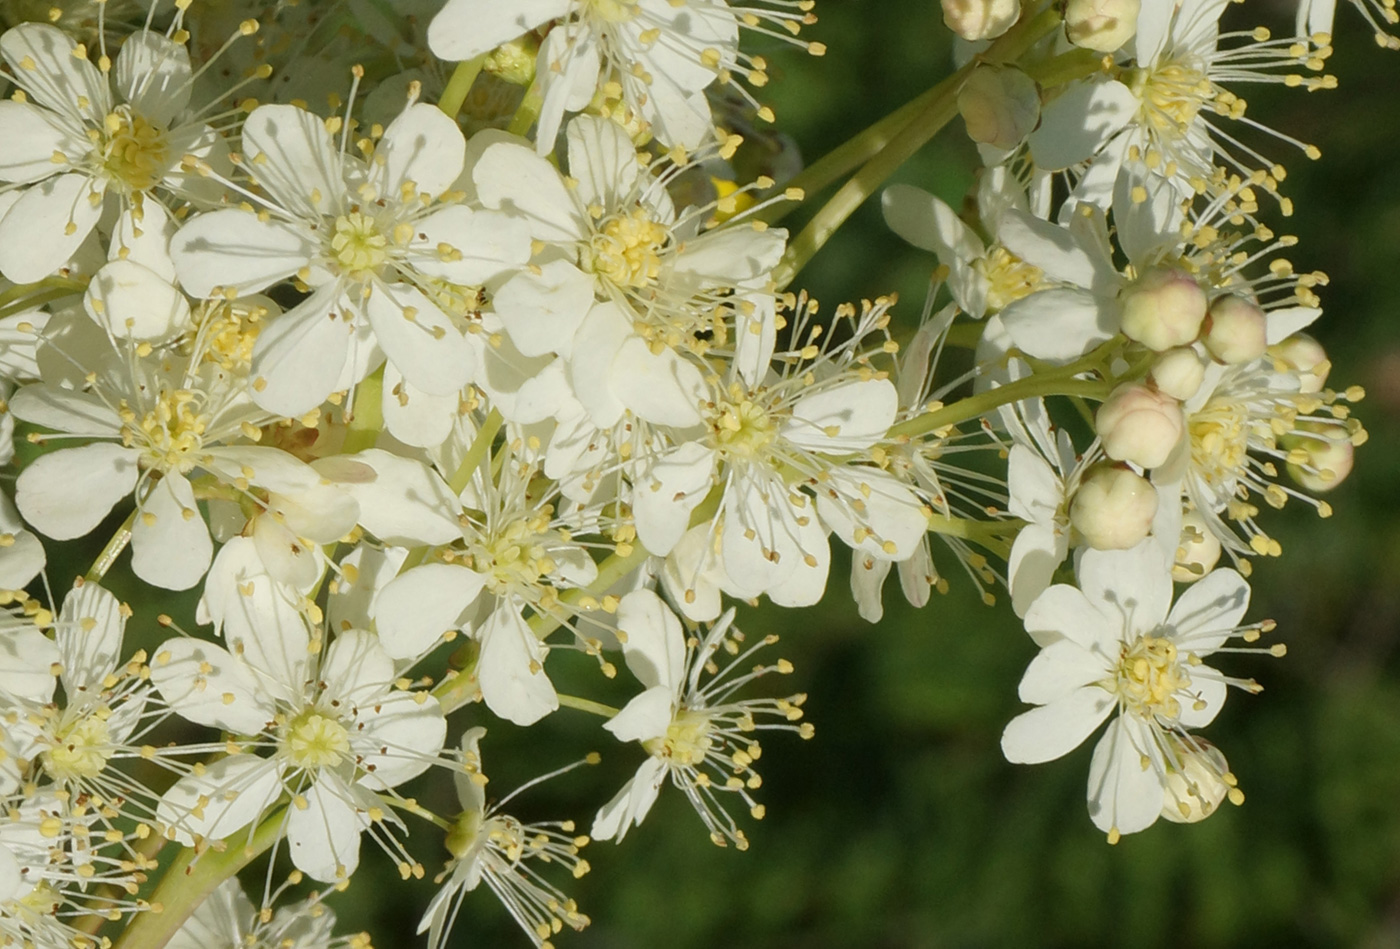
(1163, 308)
(1000, 105)
(1101, 25)
(1304, 355)
(1140, 425)
(1196, 780)
(1235, 330)
(1113, 508)
(980, 19)
(1328, 455)
(1198, 552)
(514, 62)
(1179, 373)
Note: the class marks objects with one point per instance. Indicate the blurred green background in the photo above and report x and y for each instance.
(900, 825)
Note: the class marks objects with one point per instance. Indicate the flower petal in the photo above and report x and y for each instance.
(414, 610)
(45, 227)
(228, 795)
(170, 543)
(510, 670)
(290, 153)
(655, 643)
(1125, 795)
(235, 249)
(1056, 729)
(208, 686)
(67, 493)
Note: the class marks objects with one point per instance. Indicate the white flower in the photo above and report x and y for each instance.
(1315, 19)
(662, 54)
(1116, 643)
(227, 919)
(492, 847)
(325, 727)
(366, 238)
(80, 135)
(701, 737)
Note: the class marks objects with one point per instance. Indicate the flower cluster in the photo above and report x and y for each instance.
(502, 355)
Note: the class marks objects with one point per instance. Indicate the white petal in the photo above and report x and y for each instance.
(324, 836)
(234, 248)
(1059, 669)
(631, 804)
(846, 418)
(170, 543)
(67, 493)
(654, 643)
(22, 560)
(27, 658)
(1063, 611)
(416, 608)
(929, 224)
(872, 511)
(413, 416)
(1059, 324)
(404, 735)
(54, 76)
(28, 140)
(1284, 322)
(63, 410)
(1208, 611)
(666, 491)
(89, 638)
(1036, 554)
(422, 147)
(356, 671)
(145, 241)
(408, 504)
(487, 244)
(1135, 583)
(510, 670)
(133, 302)
(226, 696)
(660, 387)
(645, 717)
(596, 343)
(266, 627)
(1077, 124)
(291, 154)
(428, 349)
(1051, 248)
(467, 28)
(567, 68)
(300, 355)
(730, 255)
(44, 228)
(802, 580)
(541, 311)
(227, 796)
(1124, 795)
(603, 160)
(1050, 731)
(514, 179)
(153, 74)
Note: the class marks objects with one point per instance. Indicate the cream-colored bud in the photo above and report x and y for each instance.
(514, 62)
(1329, 454)
(1179, 373)
(1235, 330)
(1000, 105)
(1140, 425)
(1196, 780)
(1101, 25)
(1198, 552)
(1163, 308)
(1113, 508)
(980, 19)
(1304, 355)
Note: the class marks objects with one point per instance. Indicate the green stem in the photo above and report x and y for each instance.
(528, 111)
(938, 110)
(586, 705)
(112, 551)
(459, 85)
(975, 406)
(480, 448)
(189, 880)
(368, 418)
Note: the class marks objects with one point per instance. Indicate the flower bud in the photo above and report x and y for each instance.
(1198, 779)
(1319, 456)
(1101, 25)
(1198, 552)
(514, 61)
(1000, 105)
(1305, 356)
(1163, 308)
(980, 19)
(1140, 425)
(1179, 373)
(1235, 330)
(1113, 508)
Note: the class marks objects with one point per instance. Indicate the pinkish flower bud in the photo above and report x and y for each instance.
(1235, 330)
(1140, 425)
(1000, 105)
(1198, 552)
(1102, 25)
(1304, 355)
(1179, 373)
(1113, 508)
(1320, 456)
(1163, 308)
(980, 19)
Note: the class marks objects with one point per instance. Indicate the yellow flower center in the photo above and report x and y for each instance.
(742, 427)
(687, 739)
(515, 557)
(626, 250)
(1009, 278)
(1150, 675)
(1173, 95)
(614, 11)
(81, 750)
(226, 332)
(1219, 441)
(313, 740)
(357, 244)
(170, 433)
(135, 154)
